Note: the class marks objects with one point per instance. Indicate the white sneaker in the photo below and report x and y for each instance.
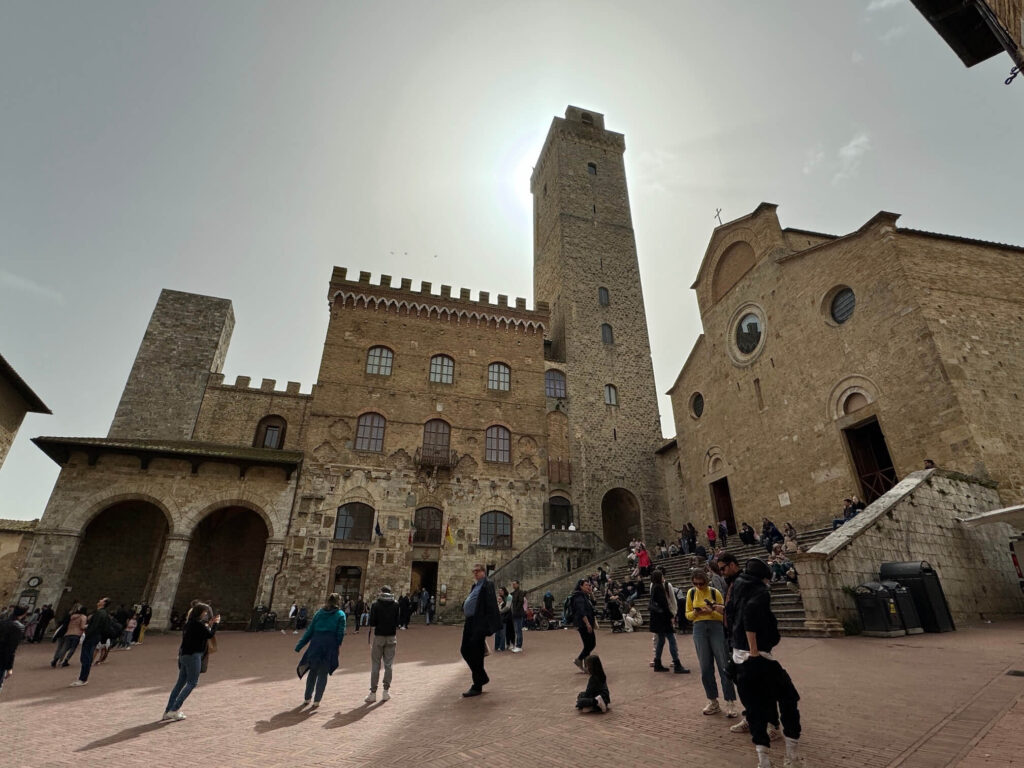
(179, 715)
(385, 696)
(168, 715)
(730, 709)
(77, 683)
(517, 650)
(295, 632)
(712, 707)
(741, 727)
(601, 704)
(306, 701)
(793, 762)
(371, 697)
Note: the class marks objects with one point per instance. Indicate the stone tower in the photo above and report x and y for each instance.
(585, 267)
(186, 341)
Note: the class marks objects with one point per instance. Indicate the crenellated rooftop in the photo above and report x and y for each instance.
(266, 385)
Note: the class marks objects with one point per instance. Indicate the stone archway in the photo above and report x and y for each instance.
(223, 564)
(620, 515)
(118, 556)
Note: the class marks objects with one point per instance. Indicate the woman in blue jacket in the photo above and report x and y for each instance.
(324, 636)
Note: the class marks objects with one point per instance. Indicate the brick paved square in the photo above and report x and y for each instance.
(928, 700)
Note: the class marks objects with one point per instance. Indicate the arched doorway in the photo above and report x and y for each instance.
(223, 565)
(118, 556)
(620, 515)
(559, 513)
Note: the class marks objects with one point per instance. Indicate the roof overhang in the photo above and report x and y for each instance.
(60, 449)
(1012, 515)
(35, 405)
(964, 28)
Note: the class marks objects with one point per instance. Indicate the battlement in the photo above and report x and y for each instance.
(384, 290)
(269, 386)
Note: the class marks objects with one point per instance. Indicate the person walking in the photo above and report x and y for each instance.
(12, 632)
(482, 619)
(712, 537)
(383, 625)
(518, 615)
(404, 610)
(359, 609)
(96, 631)
(661, 625)
(45, 617)
(325, 634)
(705, 609)
(293, 619)
(72, 637)
(723, 533)
(200, 626)
(583, 616)
(765, 688)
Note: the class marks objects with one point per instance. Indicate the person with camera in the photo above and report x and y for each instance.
(661, 624)
(200, 628)
(705, 609)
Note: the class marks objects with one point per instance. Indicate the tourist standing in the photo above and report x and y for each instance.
(404, 609)
(383, 624)
(359, 609)
(705, 609)
(765, 688)
(481, 611)
(583, 616)
(96, 632)
(504, 613)
(518, 615)
(661, 625)
(12, 631)
(325, 634)
(712, 537)
(45, 617)
(72, 637)
(200, 626)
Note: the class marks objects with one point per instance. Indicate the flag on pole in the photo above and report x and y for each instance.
(448, 535)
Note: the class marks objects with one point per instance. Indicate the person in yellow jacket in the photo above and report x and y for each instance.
(705, 609)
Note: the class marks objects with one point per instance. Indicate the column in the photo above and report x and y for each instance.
(168, 575)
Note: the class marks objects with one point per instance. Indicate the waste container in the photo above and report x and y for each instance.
(256, 620)
(929, 599)
(905, 606)
(879, 615)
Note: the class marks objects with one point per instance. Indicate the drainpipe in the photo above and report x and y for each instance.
(284, 547)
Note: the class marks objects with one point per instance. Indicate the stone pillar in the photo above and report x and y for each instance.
(271, 564)
(168, 575)
(49, 558)
(816, 594)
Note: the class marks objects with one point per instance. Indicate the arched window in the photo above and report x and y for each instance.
(378, 361)
(270, 432)
(442, 369)
(427, 524)
(355, 522)
(496, 530)
(554, 383)
(499, 376)
(498, 444)
(436, 451)
(602, 296)
(611, 395)
(592, 169)
(606, 334)
(370, 432)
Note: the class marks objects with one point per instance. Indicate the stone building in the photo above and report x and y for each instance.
(980, 29)
(15, 538)
(443, 430)
(835, 365)
(16, 399)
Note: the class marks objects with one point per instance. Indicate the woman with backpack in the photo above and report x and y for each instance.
(705, 608)
(661, 625)
(324, 634)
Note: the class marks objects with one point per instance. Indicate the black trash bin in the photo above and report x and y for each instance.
(256, 620)
(905, 606)
(879, 615)
(929, 599)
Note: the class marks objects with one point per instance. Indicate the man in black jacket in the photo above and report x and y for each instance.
(764, 686)
(482, 619)
(518, 616)
(583, 615)
(96, 631)
(383, 625)
(12, 630)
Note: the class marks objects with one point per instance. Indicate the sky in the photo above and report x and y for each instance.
(242, 149)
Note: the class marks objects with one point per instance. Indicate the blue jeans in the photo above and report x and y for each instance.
(517, 622)
(659, 645)
(709, 639)
(188, 678)
(499, 638)
(88, 649)
(316, 677)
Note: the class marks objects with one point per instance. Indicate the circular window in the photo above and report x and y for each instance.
(843, 304)
(697, 404)
(748, 333)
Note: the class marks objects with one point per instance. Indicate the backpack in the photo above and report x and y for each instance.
(114, 630)
(568, 615)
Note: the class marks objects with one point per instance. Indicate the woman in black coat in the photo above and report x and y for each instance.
(199, 628)
(661, 625)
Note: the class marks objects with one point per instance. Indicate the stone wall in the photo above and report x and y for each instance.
(562, 586)
(230, 414)
(552, 555)
(186, 340)
(12, 413)
(15, 539)
(917, 521)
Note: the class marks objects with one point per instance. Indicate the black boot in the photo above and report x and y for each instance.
(659, 667)
(679, 669)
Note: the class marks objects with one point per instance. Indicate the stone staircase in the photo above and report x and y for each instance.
(786, 602)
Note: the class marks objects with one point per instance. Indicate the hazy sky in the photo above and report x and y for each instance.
(241, 149)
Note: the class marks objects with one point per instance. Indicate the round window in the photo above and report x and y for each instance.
(697, 404)
(843, 304)
(748, 333)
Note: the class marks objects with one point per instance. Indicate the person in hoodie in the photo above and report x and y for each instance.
(763, 685)
(12, 631)
(324, 635)
(383, 624)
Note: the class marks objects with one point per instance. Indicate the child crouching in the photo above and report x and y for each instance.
(596, 698)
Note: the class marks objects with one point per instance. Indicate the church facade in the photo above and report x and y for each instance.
(444, 429)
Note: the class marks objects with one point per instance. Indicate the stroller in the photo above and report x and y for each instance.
(614, 613)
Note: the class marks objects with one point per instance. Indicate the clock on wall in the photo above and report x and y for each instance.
(35, 581)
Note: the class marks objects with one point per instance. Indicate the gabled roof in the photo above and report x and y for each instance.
(696, 345)
(35, 405)
(721, 229)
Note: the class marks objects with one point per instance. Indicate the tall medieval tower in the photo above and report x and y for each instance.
(585, 267)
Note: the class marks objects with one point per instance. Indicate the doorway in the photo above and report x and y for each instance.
(871, 459)
(722, 501)
(424, 574)
(348, 581)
